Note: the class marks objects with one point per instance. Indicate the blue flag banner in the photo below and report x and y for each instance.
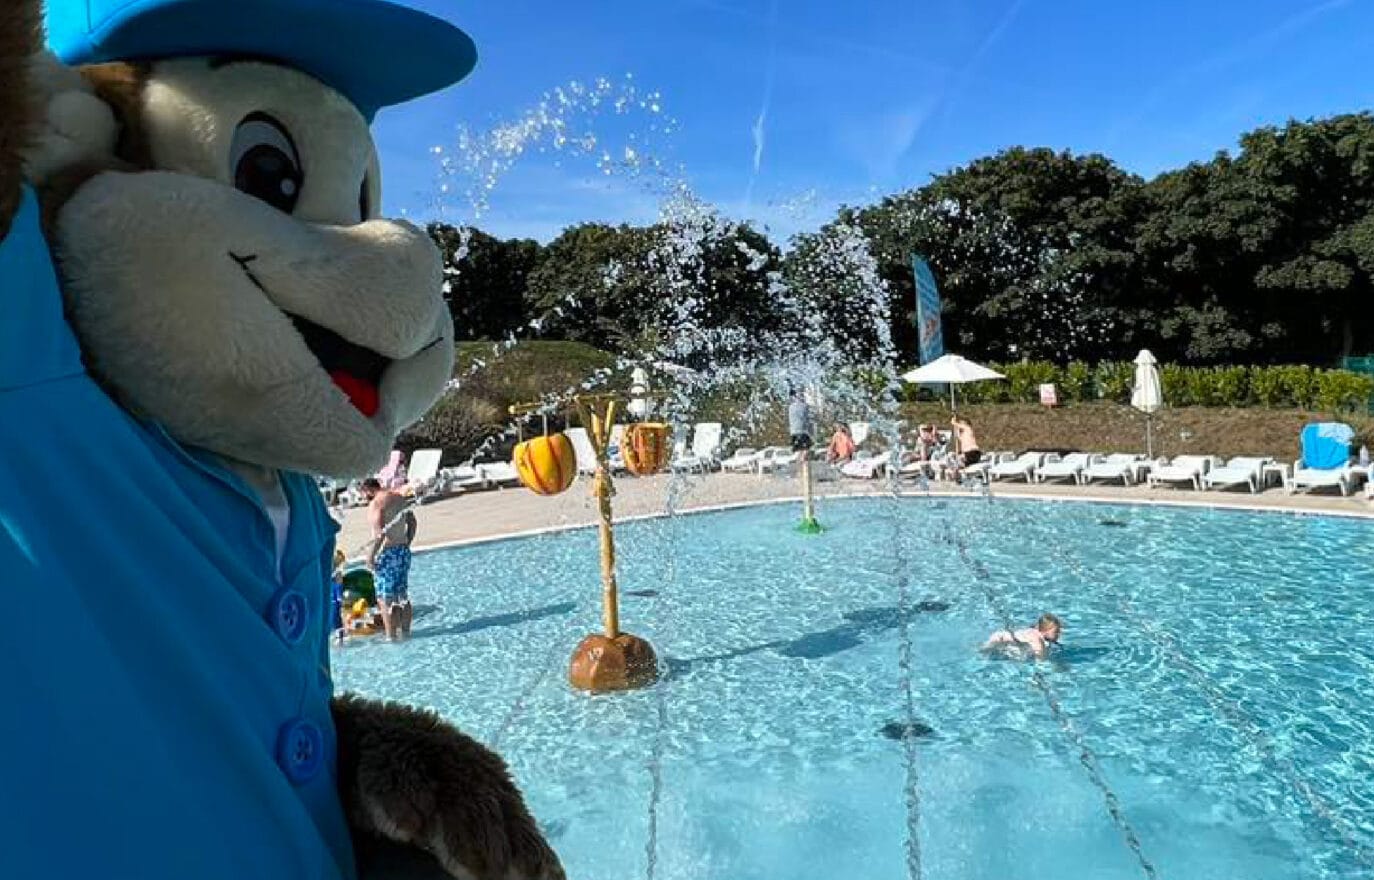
(932, 342)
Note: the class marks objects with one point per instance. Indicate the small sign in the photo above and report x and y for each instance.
(1048, 395)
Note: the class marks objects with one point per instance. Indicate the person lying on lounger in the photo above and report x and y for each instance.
(1035, 639)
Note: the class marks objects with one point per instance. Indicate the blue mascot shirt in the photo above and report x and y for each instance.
(166, 697)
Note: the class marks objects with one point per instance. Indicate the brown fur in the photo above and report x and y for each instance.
(21, 37)
(442, 790)
(121, 85)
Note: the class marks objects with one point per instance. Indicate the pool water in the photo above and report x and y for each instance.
(827, 714)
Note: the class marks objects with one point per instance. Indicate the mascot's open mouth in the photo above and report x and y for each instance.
(355, 369)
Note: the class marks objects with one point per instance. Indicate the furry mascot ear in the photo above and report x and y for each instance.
(92, 122)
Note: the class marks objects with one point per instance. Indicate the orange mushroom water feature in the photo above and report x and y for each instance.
(611, 660)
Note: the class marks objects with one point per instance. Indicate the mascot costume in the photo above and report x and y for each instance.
(198, 307)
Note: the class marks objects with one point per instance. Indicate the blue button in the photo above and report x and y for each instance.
(288, 615)
(300, 750)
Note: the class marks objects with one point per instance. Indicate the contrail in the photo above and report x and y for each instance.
(966, 71)
(758, 129)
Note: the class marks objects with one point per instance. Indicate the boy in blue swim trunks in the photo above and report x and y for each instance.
(393, 529)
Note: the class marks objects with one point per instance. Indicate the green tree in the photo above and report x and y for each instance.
(1033, 250)
(634, 289)
(594, 284)
(1315, 180)
(1267, 255)
(839, 291)
(485, 280)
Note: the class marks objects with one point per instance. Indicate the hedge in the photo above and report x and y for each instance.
(1284, 386)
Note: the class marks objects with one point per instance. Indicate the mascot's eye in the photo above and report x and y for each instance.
(264, 161)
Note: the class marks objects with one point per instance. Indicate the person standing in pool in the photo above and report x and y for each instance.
(1035, 639)
(393, 530)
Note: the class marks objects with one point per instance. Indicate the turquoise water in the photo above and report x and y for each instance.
(827, 714)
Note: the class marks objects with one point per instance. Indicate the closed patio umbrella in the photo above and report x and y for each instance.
(1147, 395)
(638, 406)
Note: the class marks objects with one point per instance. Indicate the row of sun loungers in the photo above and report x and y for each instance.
(1196, 471)
(701, 452)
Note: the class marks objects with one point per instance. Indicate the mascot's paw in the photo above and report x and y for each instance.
(75, 127)
(409, 778)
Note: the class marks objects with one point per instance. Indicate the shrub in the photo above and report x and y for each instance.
(458, 424)
(1266, 385)
(1024, 379)
(1299, 385)
(1177, 385)
(1114, 380)
(1230, 386)
(1342, 390)
(1076, 382)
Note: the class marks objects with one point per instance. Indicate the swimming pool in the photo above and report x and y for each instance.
(828, 715)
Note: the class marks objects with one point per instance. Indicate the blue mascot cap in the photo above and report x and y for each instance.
(373, 52)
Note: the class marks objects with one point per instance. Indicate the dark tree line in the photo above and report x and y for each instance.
(1261, 256)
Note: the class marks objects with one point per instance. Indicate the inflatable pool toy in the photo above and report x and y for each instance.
(360, 620)
(359, 581)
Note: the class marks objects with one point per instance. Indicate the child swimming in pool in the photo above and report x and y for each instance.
(1035, 639)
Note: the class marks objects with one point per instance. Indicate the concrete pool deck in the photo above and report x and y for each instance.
(475, 516)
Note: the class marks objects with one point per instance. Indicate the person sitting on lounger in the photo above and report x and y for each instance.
(842, 446)
(1035, 639)
(926, 442)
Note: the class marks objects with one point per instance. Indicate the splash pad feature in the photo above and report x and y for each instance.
(808, 525)
(610, 660)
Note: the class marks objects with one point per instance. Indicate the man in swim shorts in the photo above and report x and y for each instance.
(966, 446)
(1035, 639)
(393, 529)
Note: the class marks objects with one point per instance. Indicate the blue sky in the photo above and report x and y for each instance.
(784, 110)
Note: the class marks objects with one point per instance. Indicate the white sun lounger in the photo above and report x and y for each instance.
(1241, 470)
(423, 470)
(915, 469)
(776, 458)
(705, 449)
(1070, 467)
(1117, 466)
(583, 450)
(615, 455)
(1183, 469)
(859, 432)
(499, 473)
(1343, 477)
(1022, 467)
(866, 466)
(983, 469)
(463, 477)
(744, 460)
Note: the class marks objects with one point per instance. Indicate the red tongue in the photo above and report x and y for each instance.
(361, 394)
